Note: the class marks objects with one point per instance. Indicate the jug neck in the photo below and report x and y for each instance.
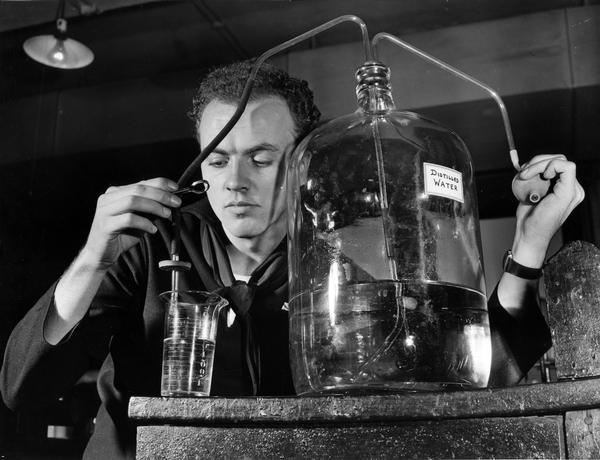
(373, 88)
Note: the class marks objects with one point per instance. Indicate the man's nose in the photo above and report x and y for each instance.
(237, 178)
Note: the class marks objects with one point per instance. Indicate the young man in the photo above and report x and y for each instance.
(107, 304)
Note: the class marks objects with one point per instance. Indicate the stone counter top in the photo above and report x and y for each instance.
(534, 399)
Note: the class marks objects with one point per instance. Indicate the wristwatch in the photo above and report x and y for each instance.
(515, 268)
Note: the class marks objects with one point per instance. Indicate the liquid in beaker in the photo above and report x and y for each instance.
(189, 344)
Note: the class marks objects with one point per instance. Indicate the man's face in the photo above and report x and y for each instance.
(246, 171)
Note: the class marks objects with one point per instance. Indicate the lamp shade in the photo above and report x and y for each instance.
(58, 52)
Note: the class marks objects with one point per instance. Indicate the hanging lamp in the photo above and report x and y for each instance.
(57, 50)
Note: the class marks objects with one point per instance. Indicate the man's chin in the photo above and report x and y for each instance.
(249, 228)
(239, 230)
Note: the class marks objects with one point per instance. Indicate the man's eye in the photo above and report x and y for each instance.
(262, 160)
(217, 162)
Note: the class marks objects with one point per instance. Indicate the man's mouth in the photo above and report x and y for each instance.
(240, 204)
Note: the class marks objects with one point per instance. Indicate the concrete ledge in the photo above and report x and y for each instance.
(536, 399)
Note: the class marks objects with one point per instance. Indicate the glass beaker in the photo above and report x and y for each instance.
(191, 321)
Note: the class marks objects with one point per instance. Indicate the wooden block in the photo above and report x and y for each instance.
(572, 279)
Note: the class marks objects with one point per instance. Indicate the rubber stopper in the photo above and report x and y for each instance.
(169, 265)
(530, 191)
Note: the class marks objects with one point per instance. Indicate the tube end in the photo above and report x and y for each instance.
(514, 158)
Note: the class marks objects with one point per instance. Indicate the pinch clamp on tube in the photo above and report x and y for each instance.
(198, 187)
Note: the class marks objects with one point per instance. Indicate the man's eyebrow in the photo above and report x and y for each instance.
(263, 146)
(255, 148)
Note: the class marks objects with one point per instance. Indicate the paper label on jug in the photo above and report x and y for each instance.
(443, 181)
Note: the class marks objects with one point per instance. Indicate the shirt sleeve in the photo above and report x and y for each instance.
(35, 372)
(517, 341)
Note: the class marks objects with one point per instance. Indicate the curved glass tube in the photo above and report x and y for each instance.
(514, 156)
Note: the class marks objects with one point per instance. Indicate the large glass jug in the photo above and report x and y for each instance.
(386, 279)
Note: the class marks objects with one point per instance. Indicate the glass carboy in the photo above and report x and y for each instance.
(386, 279)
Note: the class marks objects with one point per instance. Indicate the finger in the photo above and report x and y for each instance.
(129, 222)
(539, 165)
(134, 204)
(544, 157)
(158, 182)
(161, 182)
(150, 192)
(567, 189)
(566, 173)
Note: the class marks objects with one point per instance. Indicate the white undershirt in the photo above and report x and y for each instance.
(243, 278)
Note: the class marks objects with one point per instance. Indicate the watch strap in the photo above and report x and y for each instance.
(515, 268)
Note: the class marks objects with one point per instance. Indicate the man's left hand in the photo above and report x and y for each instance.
(537, 223)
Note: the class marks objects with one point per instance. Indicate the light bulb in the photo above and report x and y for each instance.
(57, 53)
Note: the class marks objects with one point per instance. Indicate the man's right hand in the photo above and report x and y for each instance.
(123, 215)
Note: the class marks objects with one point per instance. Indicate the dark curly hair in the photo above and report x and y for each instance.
(226, 84)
